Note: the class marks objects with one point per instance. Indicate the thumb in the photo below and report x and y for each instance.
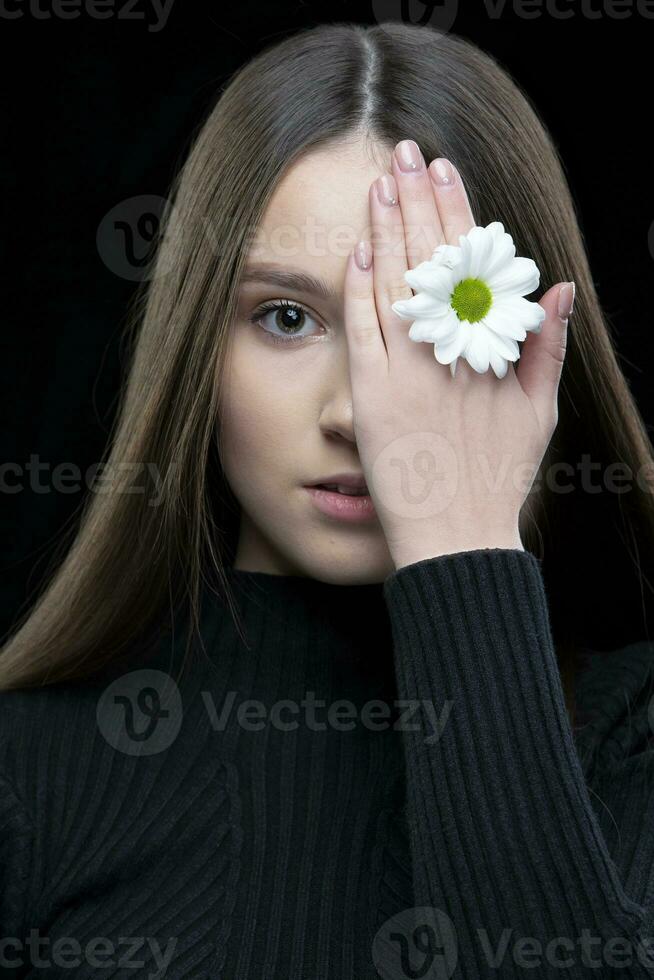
(542, 355)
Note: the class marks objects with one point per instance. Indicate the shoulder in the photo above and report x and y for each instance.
(51, 727)
(41, 720)
(614, 698)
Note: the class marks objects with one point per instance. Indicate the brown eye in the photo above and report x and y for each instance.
(287, 323)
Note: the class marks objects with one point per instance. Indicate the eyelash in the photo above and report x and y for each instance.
(277, 305)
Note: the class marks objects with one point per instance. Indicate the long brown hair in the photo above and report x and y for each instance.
(131, 565)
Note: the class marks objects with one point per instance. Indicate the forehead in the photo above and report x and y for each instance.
(319, 209)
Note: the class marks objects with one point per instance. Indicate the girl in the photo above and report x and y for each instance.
(255, 728)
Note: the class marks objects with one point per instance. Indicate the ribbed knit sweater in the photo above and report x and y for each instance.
(382, 782)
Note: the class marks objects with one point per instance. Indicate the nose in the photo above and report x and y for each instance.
(336, 415)
(336, 418)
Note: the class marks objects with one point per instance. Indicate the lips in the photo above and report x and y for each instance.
(349, 491)
(346, 503)
(352, 484)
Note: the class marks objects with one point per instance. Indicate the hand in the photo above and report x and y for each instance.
(448, 461)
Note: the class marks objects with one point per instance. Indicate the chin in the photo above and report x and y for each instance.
(353, 564)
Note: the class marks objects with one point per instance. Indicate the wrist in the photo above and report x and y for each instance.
(409, 554)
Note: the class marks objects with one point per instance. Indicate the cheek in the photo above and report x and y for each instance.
(267, 417)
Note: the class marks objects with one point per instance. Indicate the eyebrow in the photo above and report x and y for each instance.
(299, 281)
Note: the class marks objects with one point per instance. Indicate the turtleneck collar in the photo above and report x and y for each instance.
(307, 600)
(298, 626)
(301, 586)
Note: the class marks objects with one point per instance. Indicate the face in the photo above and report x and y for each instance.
(286, 403)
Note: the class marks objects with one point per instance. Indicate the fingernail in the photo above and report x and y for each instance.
(408, 156)
(566, 300)
(442, 171)
(363, 255)
(386, 189)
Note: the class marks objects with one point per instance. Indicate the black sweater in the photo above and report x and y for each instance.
(403, 796)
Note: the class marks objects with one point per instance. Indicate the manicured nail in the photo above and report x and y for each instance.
(363, 255)
(408, 156)
(387, 189)
(566, 300)
(442, 171)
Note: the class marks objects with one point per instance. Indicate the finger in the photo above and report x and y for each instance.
(390, 262)
(366, 350)
(454, 209)
(422, 225)
(541, 359)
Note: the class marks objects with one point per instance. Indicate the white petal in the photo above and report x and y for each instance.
(448, 255)
(521, 311)
(478, 352)
(498, 364)
(504, 346)
(505, 321)
(519, 276)
(496, 228)
(435, 330)
(421, 277)
(462, 268)
(446, 353)
(503, 249)
(434, 279)
(478, 250)
(422, 304)
(539, 317)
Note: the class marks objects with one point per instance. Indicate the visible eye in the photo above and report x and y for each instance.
(289, 318)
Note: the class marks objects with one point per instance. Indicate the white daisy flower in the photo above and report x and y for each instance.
(470, 302)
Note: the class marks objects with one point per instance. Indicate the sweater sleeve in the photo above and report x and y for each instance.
(16, 837)
(511, 871)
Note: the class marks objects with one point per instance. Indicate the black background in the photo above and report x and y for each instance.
(95, 111)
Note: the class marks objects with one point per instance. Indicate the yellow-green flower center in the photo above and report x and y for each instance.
(471, 300)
